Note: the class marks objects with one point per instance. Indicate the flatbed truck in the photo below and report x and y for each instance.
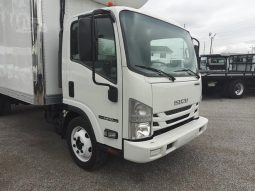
(231, 74)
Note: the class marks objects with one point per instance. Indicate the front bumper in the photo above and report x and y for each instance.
(161, 145)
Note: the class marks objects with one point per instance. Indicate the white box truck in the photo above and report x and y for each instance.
(112, 79)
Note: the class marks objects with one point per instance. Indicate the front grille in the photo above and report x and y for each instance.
(171, 112)
(173, 118)
(177, 119)
(155, 124)
(161, 131)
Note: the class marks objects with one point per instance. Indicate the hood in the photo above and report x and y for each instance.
(172, 95)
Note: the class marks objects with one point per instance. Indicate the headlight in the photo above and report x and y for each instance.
(140, 120)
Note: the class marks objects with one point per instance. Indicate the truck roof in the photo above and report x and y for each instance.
(214, 55)
(225, 55)
(151, 14)
(129, 3)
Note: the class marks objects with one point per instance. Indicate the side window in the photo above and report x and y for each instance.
(106, 63)
(106, 59)
(74, 42)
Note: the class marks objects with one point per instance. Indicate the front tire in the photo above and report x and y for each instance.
(82, 144)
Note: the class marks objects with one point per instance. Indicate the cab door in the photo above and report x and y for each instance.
(104, 114)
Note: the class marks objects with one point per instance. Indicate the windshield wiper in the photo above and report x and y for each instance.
(189, 71)
(160, 72)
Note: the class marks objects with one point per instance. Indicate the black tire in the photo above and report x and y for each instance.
(5, 106)
(236, 89)
(98, 157)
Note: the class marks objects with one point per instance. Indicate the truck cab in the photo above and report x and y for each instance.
(117, 96)
(215, 62)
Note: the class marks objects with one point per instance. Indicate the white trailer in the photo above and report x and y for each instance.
(91, 66)
(29, 49)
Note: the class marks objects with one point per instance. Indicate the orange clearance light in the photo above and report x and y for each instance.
(109, 4)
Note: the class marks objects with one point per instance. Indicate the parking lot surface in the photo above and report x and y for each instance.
(34, 157)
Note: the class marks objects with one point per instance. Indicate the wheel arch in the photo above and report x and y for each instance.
(73, 112)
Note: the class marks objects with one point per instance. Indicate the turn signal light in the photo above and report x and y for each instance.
(110, 134)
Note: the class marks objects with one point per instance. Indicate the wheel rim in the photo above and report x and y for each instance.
(239, 89)
(81, 144)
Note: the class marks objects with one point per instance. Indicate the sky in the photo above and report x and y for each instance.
(233, 21)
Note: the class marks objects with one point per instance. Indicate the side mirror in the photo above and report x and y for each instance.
(196, 47)
(113, 94)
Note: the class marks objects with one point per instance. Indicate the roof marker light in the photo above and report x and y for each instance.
(110, 4)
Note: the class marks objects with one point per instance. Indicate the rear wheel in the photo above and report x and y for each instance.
(5, 106)
(82, 144)
(236, 89)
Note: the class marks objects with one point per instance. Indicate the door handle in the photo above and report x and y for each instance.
(71, 88)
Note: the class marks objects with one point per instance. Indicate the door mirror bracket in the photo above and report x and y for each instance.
(88, 50)
(113, 91)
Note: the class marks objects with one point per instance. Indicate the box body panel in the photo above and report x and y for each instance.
(16, 76)
(51, 28)
(29, 48)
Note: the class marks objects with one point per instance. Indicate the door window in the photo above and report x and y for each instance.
(106, 59)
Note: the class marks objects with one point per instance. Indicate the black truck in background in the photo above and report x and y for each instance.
(230, 75)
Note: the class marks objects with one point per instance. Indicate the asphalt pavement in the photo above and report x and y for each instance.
(34, 157)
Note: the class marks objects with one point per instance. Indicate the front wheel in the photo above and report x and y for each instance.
(82, 144)
(236, 89)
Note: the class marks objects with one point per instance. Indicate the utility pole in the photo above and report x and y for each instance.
(211, 36)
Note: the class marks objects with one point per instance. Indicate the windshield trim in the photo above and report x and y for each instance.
(124, 36)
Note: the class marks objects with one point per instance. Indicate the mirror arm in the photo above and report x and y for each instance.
(196, 41)
(113, 91)
(94, 49)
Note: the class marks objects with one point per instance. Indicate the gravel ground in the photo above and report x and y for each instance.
(34, 157)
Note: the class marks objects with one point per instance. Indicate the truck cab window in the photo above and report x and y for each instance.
(74, 42)
(170, 53)
(106, 61)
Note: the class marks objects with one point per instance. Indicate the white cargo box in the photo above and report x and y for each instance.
(29, 46)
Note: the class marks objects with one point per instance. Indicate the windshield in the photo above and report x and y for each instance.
(156, 44)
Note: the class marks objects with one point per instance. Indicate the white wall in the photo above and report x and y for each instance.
(15, 46)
